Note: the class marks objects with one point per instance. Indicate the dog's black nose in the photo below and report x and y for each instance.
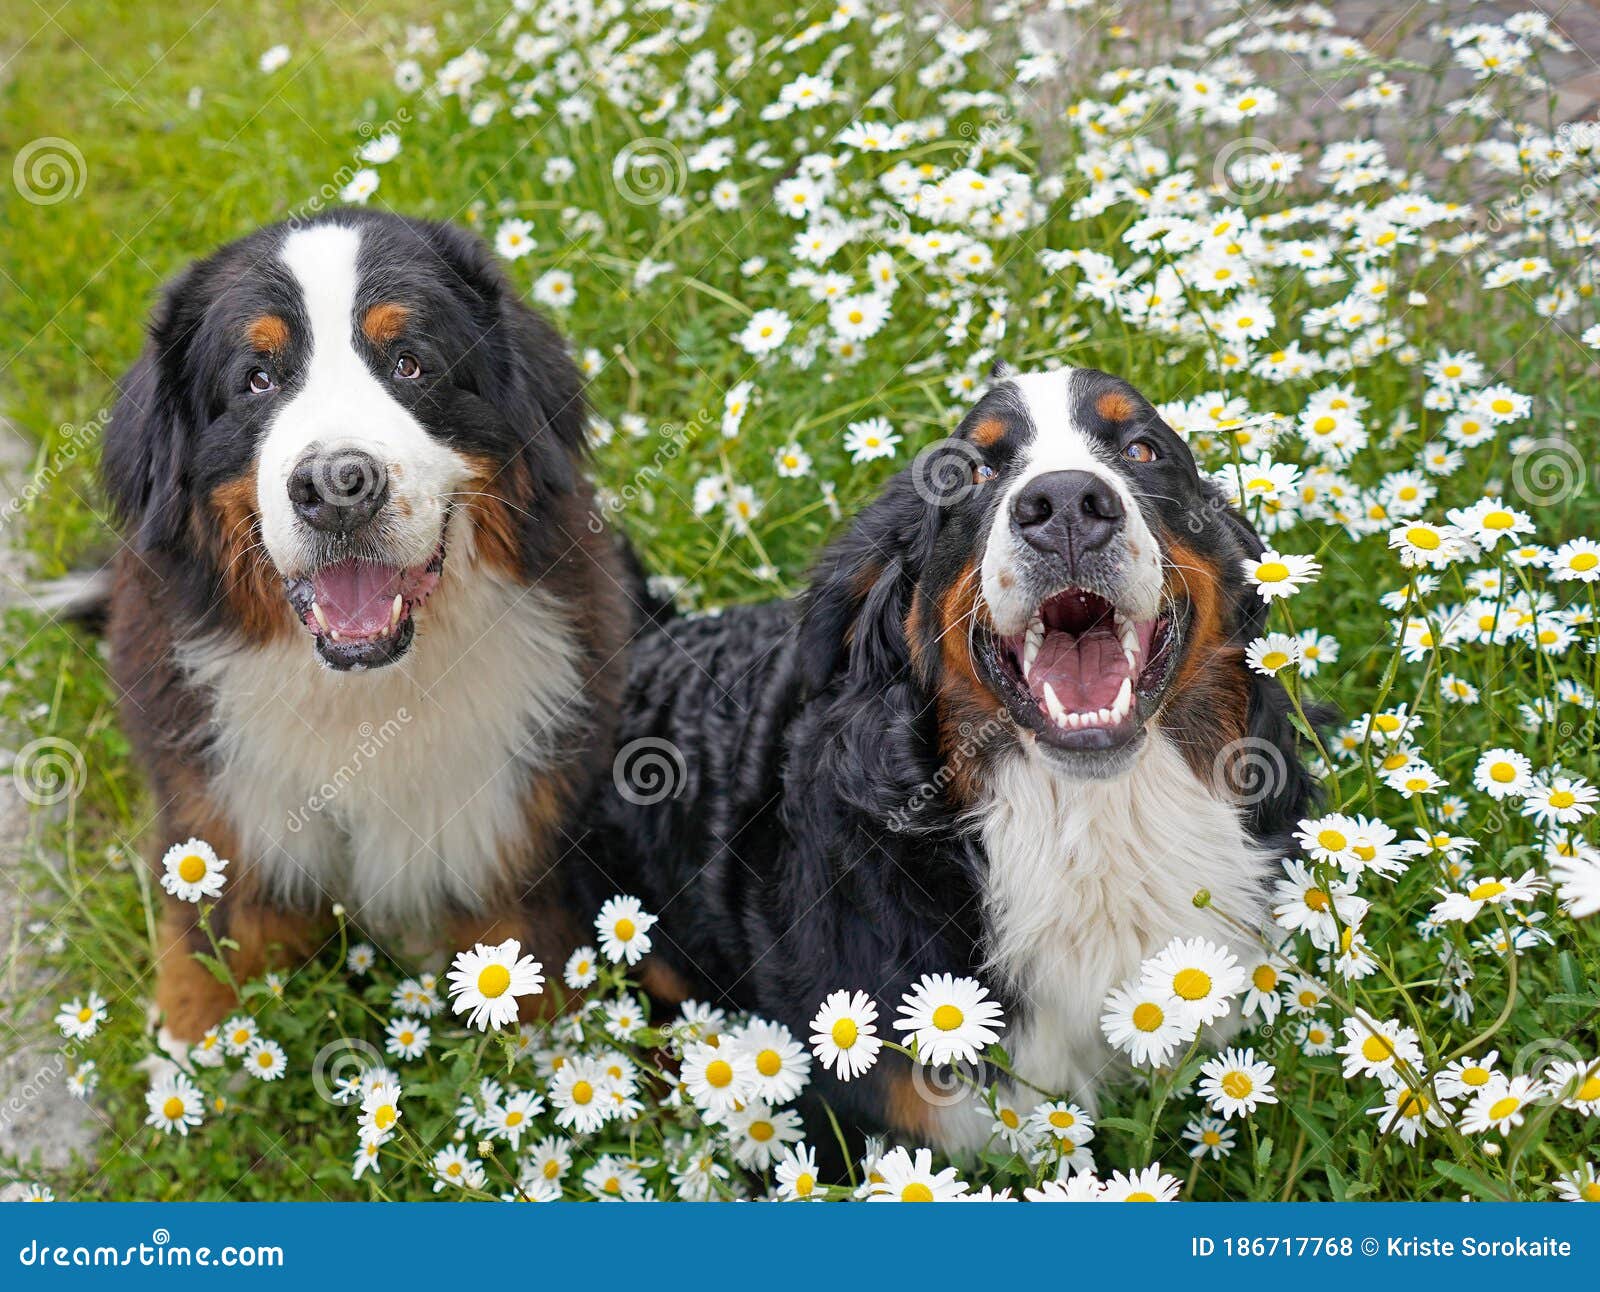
(338, 491)
(1067, 513)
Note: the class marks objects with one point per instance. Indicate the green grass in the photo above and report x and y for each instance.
(164, 181)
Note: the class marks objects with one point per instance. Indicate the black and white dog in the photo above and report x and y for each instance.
(367, 634)
(994, 738)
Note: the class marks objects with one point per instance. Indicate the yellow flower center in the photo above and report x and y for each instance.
(582, 1092)
(1272, 572)
(805, 1184)
(624, 930)
(1377, 1049)
(1273, 660)
(192, 869)
(1474, 1076)
(384, 1117)
(1420, 536)
(1584, 562)
(1324, 424)
(947, 1018)
(515, 1118)
(1191, 984)
(1498, 520)
(1061, 1119)
(264, 1059)
(1502, 773)
(916, 1192)
(844, 1033)
(1590, 1192)
(1483, 892)
(1503, 1108)
(1316, 899)
(1236, 1084)
(1589, 1091)
(1265, 978)
(172, 1109)
(1009, 1118)
(551, 1169)
(768, 1063)
(1332, 840)
(761, 1132)
(719, 1073)
(1501, 405)
(1562, 799)
(1147, 1016)
(493, 981)
(85, 1014)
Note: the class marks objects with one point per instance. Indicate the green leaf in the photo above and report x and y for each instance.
(1470, 1180)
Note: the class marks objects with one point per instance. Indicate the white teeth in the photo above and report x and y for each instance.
(394, 611)
(1030, 648)
(1129, 637)
(1123, 704)
(322, 619)
(1058, 712)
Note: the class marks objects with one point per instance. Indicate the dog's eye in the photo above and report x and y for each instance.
(407, 367)
(983, 473)
(260, 381)
(1140, 451)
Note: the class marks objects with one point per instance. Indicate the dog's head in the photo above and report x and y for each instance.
(1059, 565)
(326, 414)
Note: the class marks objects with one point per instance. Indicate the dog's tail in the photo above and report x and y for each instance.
(82, 597)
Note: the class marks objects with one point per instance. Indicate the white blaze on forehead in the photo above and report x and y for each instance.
(1049, 401)
(341, 404)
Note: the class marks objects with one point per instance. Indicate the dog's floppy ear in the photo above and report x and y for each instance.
(853, 616)
(525, 371)
(147, 443)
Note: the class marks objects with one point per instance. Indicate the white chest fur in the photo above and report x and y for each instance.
(1085, 880)
(391, 789)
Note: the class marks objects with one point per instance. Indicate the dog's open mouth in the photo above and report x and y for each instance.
(360, 611)
(1083, 675)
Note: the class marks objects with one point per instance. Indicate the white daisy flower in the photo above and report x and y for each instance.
(949, 1019)
(844, 1036)
(484, 983)
(902, 1177)
(1236, 1083)
(175, 1104)
(624, 928)
(192, 870)
(265, 1060)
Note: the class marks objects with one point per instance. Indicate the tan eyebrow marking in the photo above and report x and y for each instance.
(269, 333)
(1114, 406)
(988, 431)
(383, 322)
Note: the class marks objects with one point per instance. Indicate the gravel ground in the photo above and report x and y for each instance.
(37, 1115)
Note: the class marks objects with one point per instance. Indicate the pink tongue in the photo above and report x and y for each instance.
(356, 596)
(1085, 672)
